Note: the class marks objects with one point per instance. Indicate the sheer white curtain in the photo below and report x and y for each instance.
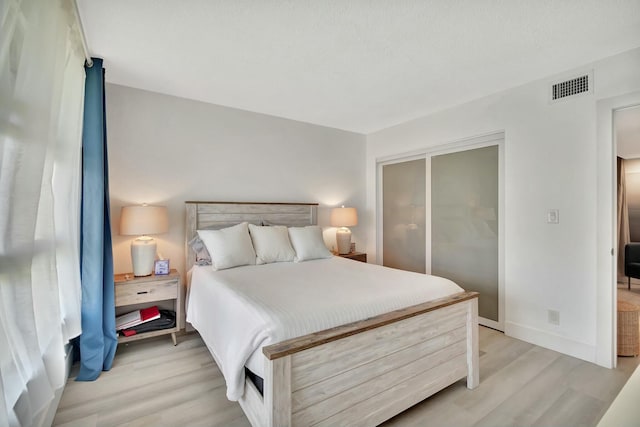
(41, 101)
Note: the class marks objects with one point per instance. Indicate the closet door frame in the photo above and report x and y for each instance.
(485, 140)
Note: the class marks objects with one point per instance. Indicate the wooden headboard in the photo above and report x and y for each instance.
(203, 215)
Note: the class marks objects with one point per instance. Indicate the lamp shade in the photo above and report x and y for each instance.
(344, 217)
(143, 220)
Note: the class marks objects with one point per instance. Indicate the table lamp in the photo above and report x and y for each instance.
(142, 221)
(343, 218)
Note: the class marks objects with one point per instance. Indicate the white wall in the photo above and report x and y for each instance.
(165, 150)
(550, 163)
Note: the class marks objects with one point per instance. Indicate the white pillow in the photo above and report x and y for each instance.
(271, 244)
(308, 243)
(229, 247)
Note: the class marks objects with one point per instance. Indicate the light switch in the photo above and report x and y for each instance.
(553, 216)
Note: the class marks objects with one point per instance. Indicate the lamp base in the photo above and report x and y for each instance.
(343, 239)
(143, 255)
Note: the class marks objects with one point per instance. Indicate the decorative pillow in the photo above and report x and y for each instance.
(271, 244)
(197, 245)
(308, 243)
(202, 254)
(229, 247)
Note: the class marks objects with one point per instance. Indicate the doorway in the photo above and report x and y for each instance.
(626, 123)
(606, 227)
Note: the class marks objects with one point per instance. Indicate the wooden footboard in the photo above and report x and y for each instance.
(366, 372)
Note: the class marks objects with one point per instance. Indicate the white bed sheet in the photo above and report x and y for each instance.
(240, 310)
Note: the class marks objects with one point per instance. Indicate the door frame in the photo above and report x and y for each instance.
(479, 141)
(607, 254)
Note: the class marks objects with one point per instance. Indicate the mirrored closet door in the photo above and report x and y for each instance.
(403, 224)
(464, 223)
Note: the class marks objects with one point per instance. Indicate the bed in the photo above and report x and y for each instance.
(361, 372)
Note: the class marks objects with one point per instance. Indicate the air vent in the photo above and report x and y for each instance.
(571, 87)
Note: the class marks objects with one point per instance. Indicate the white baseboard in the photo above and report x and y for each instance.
(551, 341)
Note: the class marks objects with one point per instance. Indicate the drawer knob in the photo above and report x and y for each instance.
(143, 292)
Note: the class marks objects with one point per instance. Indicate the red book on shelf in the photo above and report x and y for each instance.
(150, 313)
(137, 317)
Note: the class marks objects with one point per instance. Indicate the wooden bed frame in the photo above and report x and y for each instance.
(359, 374)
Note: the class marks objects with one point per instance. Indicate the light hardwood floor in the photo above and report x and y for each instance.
(153, 383)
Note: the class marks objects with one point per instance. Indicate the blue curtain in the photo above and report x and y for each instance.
(98, 340)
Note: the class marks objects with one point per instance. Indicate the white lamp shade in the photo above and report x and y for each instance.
(143, 220)
(344, 217)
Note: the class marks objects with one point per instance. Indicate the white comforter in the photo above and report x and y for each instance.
(240, 310)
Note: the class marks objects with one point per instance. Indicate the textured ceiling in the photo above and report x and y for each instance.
(359, 65)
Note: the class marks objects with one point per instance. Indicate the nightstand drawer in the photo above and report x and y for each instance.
(137, 293)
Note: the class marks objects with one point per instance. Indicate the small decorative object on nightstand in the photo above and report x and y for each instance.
(356, 256)
(161, 267)
(134, 293)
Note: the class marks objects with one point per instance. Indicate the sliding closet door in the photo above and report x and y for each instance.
(403, 215)
(465, 223)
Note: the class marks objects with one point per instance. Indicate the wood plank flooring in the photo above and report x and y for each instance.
(153, 383)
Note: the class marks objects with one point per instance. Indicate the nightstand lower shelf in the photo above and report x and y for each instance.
(172, 331)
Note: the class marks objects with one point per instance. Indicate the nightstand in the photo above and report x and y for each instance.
(134, 293)
(356, 256)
